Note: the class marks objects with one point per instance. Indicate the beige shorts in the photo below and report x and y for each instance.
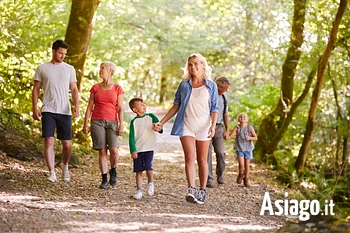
(104, 134)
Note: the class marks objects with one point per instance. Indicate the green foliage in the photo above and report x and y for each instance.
(285, 166)
(149, 40)
(11, 119)
(25, 43)
(318, 182)
(318, 187)
(256, 101)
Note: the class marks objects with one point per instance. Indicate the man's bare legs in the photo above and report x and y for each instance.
(49, 156)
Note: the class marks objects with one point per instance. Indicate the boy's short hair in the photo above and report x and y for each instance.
(59, 44)
(133, 101)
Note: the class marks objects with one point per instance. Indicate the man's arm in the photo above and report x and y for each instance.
(227, 125)
(35, 98)
(120, 115)
(75, 96)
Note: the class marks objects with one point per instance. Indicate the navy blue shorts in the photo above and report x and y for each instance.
(51, 121)
(144, 161)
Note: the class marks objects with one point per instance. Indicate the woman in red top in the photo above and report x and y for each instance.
(105, 108)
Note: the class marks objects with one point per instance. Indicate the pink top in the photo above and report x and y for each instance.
(106, 102)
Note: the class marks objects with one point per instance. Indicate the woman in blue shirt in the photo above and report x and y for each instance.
(196, 105)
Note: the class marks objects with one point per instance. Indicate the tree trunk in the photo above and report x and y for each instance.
(300, 162)
(339, 117)
(345, 157)
(271, 125)
(78, 34)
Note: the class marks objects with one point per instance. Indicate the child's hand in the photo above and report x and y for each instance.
(156, 127)
(247, 138)
(227, 136)
(134, 155)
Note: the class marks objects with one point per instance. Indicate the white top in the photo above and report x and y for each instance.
(197, 113)
(142, 137)
(56, 80)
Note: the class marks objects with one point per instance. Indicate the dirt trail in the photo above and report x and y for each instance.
(28, 203)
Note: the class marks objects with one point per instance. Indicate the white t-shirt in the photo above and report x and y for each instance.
(56, 80)
(197, 113)
(142, 137)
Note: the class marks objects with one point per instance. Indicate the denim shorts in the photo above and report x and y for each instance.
(144, 161)
(246, 154)
(104, 134)
(51, 121)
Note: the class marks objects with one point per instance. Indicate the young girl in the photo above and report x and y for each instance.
(245, 135)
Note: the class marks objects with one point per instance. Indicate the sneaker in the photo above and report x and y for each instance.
(104, 185)
(113, 178)
(150, 189)
(65, 174)
(52, 178)
(201, 196)
(240, 178)
(221, 180)
(210, 184)
(138, 195)
(191, 195)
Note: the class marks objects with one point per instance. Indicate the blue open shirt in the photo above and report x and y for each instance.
(182, 96)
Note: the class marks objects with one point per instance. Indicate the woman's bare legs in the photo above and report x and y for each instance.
(202, 148)
(188, 146)
(103, 160)
(114, 156)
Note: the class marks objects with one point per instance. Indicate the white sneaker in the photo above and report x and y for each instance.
(150, 189)
(65, 174)
(52, 177)
(138, 195)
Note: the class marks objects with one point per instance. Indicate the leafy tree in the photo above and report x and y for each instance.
(25, 41)
(275, 124)
(300, 162)
(78, 34)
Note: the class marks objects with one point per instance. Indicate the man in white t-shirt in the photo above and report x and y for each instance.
(57, 78)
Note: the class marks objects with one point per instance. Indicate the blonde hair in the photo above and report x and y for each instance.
(241, 114)
(207, 69)
(110, 66)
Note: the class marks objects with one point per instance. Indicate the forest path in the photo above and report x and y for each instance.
(28, 203)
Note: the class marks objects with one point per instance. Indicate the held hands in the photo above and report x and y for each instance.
(157, 127)
(227, 136)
